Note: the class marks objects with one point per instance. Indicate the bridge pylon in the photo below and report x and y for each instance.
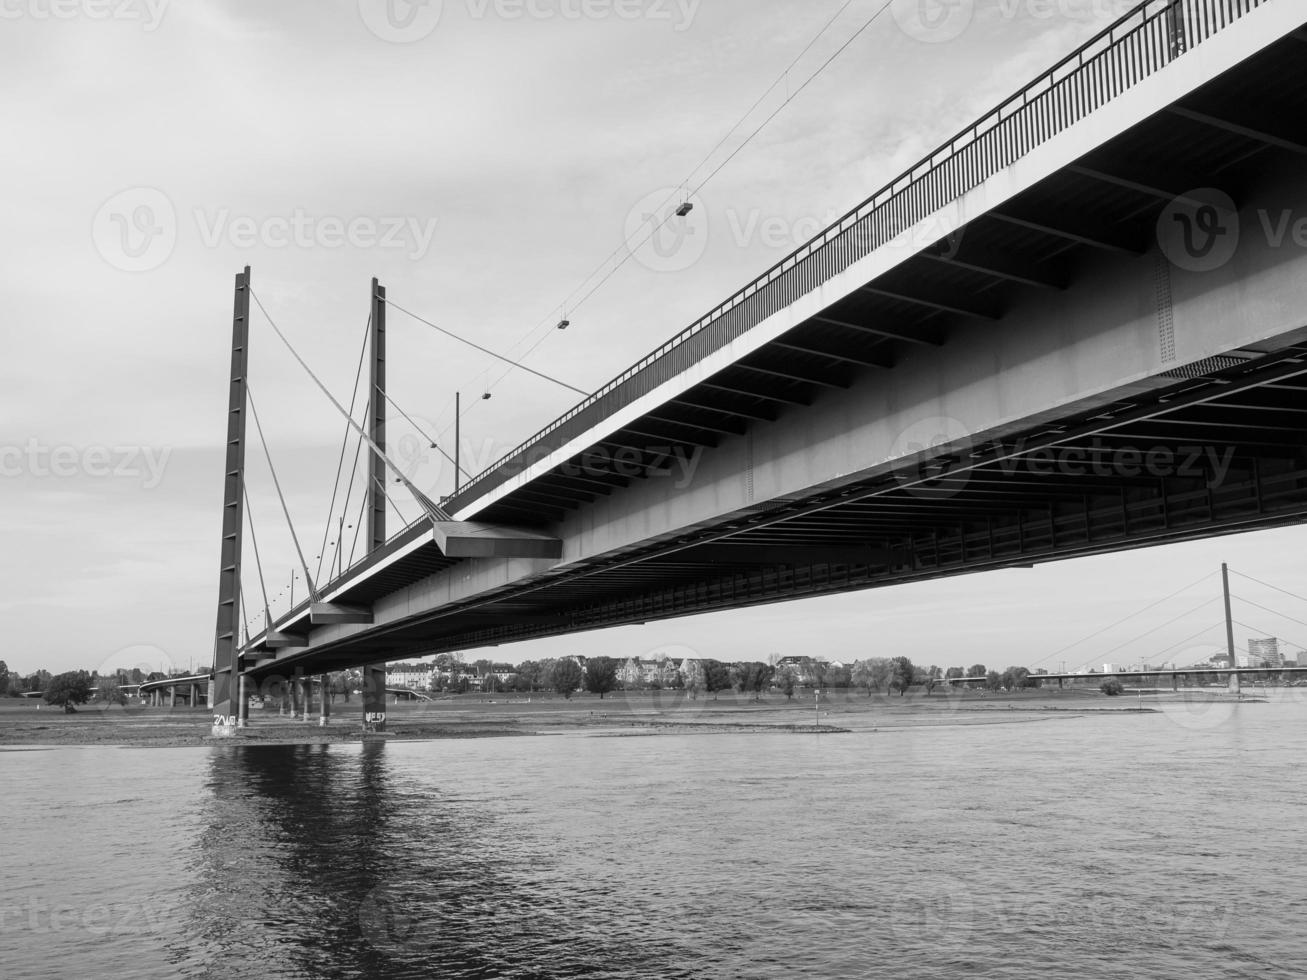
(374, 675)
(228, 700)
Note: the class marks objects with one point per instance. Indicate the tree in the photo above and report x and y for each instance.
(566, 677)
(839, 677)
(692, 670)
(977, 670)
(882, 672)
(109, 691)
(600, 675)
(786, 680)
(716, 677)
(527, 676)
(993, 681)
(756, 677)
(4, 678)
(66, 690)
(1112, 687)
(954, 673)
(903, 676)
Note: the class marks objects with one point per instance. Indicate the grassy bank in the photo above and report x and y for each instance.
(475, 716)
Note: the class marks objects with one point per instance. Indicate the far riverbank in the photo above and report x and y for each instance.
(650, 713)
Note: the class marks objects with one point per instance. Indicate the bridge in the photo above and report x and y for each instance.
(1187, 674)
(1078, 327)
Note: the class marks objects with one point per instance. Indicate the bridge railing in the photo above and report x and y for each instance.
(1141, 43)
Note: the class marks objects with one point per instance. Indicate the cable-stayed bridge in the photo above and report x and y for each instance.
(1078, 327)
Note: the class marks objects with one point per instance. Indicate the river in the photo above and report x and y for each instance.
(1109, 845)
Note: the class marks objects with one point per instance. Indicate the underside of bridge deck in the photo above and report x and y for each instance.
(1213, 447)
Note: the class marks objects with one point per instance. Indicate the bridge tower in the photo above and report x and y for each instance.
(374, 675)
(1229, 629)
(228, 700)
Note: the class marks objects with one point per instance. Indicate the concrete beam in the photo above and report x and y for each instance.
(472, 539)
(334, 613)
(274, 640)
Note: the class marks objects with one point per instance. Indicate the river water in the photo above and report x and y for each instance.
(1144, 845)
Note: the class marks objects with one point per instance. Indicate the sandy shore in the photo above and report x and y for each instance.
(23, 723)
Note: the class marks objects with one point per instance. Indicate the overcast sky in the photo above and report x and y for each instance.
(482, 158)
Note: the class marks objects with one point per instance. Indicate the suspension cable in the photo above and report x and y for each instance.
(1273, 612)
(1292, 595)
(1187, 612)
(258, 564)
(349, 495)
(1125, 619)
(267, 454)
(344, 444)
(434, 511)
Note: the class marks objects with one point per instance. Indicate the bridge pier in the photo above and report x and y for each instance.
(374, 698)
(306, 697)
(243, 703)
(325, 684)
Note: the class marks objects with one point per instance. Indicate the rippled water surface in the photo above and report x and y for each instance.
(1103, 846)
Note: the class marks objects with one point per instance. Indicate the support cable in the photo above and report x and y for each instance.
(434, 511)
(1254, 629)
(1125, 619)
(344, 445)
(1187, 612)
(267, 454)
(1273, 612)
(349, 495)
(258, 564)
(1268, 585)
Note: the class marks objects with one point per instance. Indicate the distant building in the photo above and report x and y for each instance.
(416, 677)
(1110, 668)
(1267, 652)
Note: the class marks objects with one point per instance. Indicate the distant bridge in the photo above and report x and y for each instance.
(1066, 332)
(1175, 675)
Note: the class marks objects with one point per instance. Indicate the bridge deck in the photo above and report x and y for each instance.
(790, 343)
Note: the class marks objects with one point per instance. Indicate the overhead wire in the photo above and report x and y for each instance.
(624, 251)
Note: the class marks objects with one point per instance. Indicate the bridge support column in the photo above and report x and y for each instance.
(325, 685)
(226, 648)
(374, 698)
(243, 714)
(306, 696)
(172, 696)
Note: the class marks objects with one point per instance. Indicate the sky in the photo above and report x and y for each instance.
(484, 159)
